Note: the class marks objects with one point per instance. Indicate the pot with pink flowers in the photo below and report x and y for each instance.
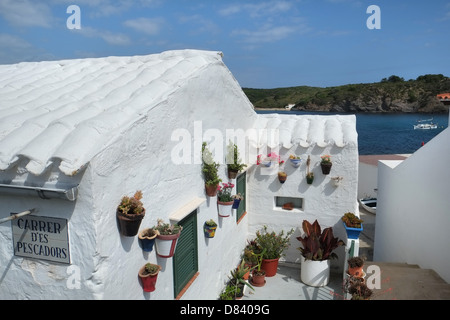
(225, 199)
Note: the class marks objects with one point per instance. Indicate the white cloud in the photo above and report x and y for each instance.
(119, 39)
(145, 25)
(26, 13)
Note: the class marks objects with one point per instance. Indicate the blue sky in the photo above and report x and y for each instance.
(266, 44)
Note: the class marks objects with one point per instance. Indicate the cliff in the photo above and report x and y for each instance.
(389, 96)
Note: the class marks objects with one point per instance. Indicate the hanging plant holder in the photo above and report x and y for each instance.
(211, 190)
(209, 230)
(129, 223)
(147, 238)
(166, 244)
(326, 168)
(224, 208)
(148, 279)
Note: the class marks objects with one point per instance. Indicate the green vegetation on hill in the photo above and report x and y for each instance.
(392, 94)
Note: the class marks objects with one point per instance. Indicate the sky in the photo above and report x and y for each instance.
(266, 44)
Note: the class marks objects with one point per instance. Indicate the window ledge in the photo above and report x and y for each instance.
(185, 210)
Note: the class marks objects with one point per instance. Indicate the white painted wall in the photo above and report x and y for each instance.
(140, 159)
(368, 180)
(322, 200)
(412, 220)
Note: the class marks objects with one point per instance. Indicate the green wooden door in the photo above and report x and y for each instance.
(240, 188)
(185, 259)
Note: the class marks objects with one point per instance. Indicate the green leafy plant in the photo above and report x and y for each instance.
(318, 245)
(272, 243)
(237, 275)
(166, 228)
(131, 205)
(151, 268)
(360, 291)
(209, 167)
(355, 262)
(211, 223)
(233, 160)
(351, 220)
(326, 158)
(230, 292)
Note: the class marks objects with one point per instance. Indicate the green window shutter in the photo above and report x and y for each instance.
(241, 188)
(185, 259)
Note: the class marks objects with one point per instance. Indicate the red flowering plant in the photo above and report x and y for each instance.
(272, 156)
(224, 192)
(271, 243)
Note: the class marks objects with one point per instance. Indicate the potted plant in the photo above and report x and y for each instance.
(355, 267)
(229, 293)
(250, 255)
(258, 275)
(282, 176)
(225, 199)
(337, 181)
(352, 224)
(317, 250)
(237, 279)
(273, 246)
(295, 160)
(360, 291)
(210, 171)
(210, 228)
(147, 238)
(148, 275)
(326, 164)
(309, 174)
(167, 238)
(130, 213)
(237, 198)
(272, 157)
(234, 164)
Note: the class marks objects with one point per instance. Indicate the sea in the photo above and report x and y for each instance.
(388, 133)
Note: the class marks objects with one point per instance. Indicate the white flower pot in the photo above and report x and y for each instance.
(315, 273)
(224, 208)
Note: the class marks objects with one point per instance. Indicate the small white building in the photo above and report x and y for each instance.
(78, 135)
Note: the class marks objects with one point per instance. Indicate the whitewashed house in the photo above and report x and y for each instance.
(78, 135)
(327, 199)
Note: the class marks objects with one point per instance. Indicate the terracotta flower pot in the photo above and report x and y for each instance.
(211, 190)
(356, 271)
(258, 278)
(282, 176)
(232, 174)
(129, 223)
(148, 279)
(270, 266)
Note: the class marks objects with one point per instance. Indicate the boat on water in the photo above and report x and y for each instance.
(289, 106)
(369, 204)
(425, 124)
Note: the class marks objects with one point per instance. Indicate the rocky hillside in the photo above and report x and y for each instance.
(390, 95)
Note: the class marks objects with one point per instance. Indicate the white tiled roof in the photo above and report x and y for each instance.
(288, 130)
(65, 112)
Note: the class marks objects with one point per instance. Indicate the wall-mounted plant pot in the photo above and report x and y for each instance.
(236, 203)
(211, 190)
(166, 244)
(337, 181)
(224, 208)
(353, 233)
(326, 167)
(129, 223)
(295, 162)
(309, 179)
(232, 174)
(282, 176)
(210, 231)
(147, 238)
(148, 280)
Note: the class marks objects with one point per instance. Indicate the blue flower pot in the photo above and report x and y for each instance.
(236, 203)
(353, 233)
(146, 242)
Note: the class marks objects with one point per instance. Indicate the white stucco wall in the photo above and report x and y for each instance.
(321, 200)
(140, 158)
(412, 218)
(367, 183)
